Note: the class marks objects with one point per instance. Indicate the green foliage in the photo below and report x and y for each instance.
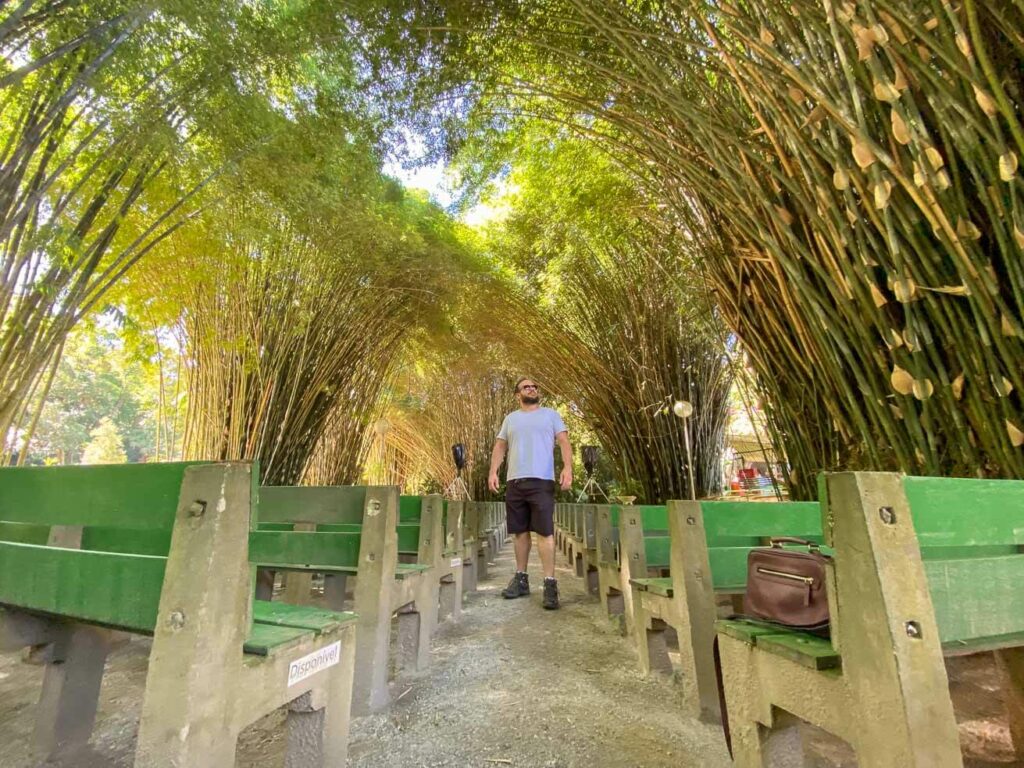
(105, 446)
(101, 376)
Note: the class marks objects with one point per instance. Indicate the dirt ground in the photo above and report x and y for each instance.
(510, 685)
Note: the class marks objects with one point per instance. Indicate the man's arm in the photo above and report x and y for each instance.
(565, 479)
(497, 456)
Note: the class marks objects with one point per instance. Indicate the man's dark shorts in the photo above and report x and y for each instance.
(530, 506)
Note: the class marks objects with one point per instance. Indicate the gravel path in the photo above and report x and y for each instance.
(515, 685)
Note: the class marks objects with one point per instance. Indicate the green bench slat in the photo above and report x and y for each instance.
(408, 533)
(804, 649)
(977, 597)
(656, 586)
(131, 495)
(270, 639)
(130, 541)
(807, 650)
(311, 504)
(729, 567)
(409, 538)
(657, 550)
(742, 629)
(24, 533)
(106, 588)
(410, 509)
(760, 519)
(979, 644)
(653, 518)
(969, 552)
(405, 570)
(299, 617)
(310, 551)
(965, 512)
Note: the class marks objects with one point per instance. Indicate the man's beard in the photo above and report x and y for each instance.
(530, 399)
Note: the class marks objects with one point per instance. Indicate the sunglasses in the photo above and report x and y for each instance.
(534, 387)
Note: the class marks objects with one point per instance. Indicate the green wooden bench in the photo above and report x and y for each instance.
(708, 545)
(343, 531)
(91, 555)
(467, 543)
(447, 568)
(880, 683)
(632, 542)
(480, 527)
(576, 539)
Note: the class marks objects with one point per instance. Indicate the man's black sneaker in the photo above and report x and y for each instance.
(550, 600)
(517, 587)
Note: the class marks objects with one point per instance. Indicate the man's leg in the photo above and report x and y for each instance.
(546, 549)
(542, 521)
(517, 514)
(523, 545)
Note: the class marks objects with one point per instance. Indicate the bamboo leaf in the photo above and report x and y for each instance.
(1016, 435)
(901, 381)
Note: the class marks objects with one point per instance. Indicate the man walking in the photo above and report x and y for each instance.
(529, 436)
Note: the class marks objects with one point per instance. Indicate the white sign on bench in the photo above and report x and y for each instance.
(315, 662)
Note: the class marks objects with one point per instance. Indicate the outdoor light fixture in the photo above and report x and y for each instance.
(457, 488)
(590, 464)
(684, 410)
(459, 456)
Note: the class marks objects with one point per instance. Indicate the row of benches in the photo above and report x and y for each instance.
(922, 568)
(189, 554)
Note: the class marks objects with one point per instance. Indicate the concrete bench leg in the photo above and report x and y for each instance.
(649, 638)
(265, 584)
(1011, 665)
(335, 588)
(578, 559)
(615, 603)
(469, 580)
(71, 690)
(450, 599)
(413, 641)
(318, 722)
(754, 746)
(481, 564)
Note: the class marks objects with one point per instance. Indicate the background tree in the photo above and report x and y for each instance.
(106, 445)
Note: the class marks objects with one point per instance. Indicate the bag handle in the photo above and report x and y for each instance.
(778, 541)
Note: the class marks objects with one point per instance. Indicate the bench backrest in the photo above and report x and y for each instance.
(140, 496)
(120, 587)
(733, 528)
(340, 516)
(970, 533)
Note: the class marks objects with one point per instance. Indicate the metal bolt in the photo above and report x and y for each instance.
(197, 509)
(636, 555)
(913, 630)
(176, 620)
(888, 515)
(371, 557)
(691, 520)
(374, 506)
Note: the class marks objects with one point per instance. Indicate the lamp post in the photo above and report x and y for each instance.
(684, 410)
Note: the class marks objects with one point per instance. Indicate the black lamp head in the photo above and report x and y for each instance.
(459, 456)
(590, 458)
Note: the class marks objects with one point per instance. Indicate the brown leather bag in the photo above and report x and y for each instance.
(787, 587)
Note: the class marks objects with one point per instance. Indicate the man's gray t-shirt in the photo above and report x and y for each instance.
(531, 443)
